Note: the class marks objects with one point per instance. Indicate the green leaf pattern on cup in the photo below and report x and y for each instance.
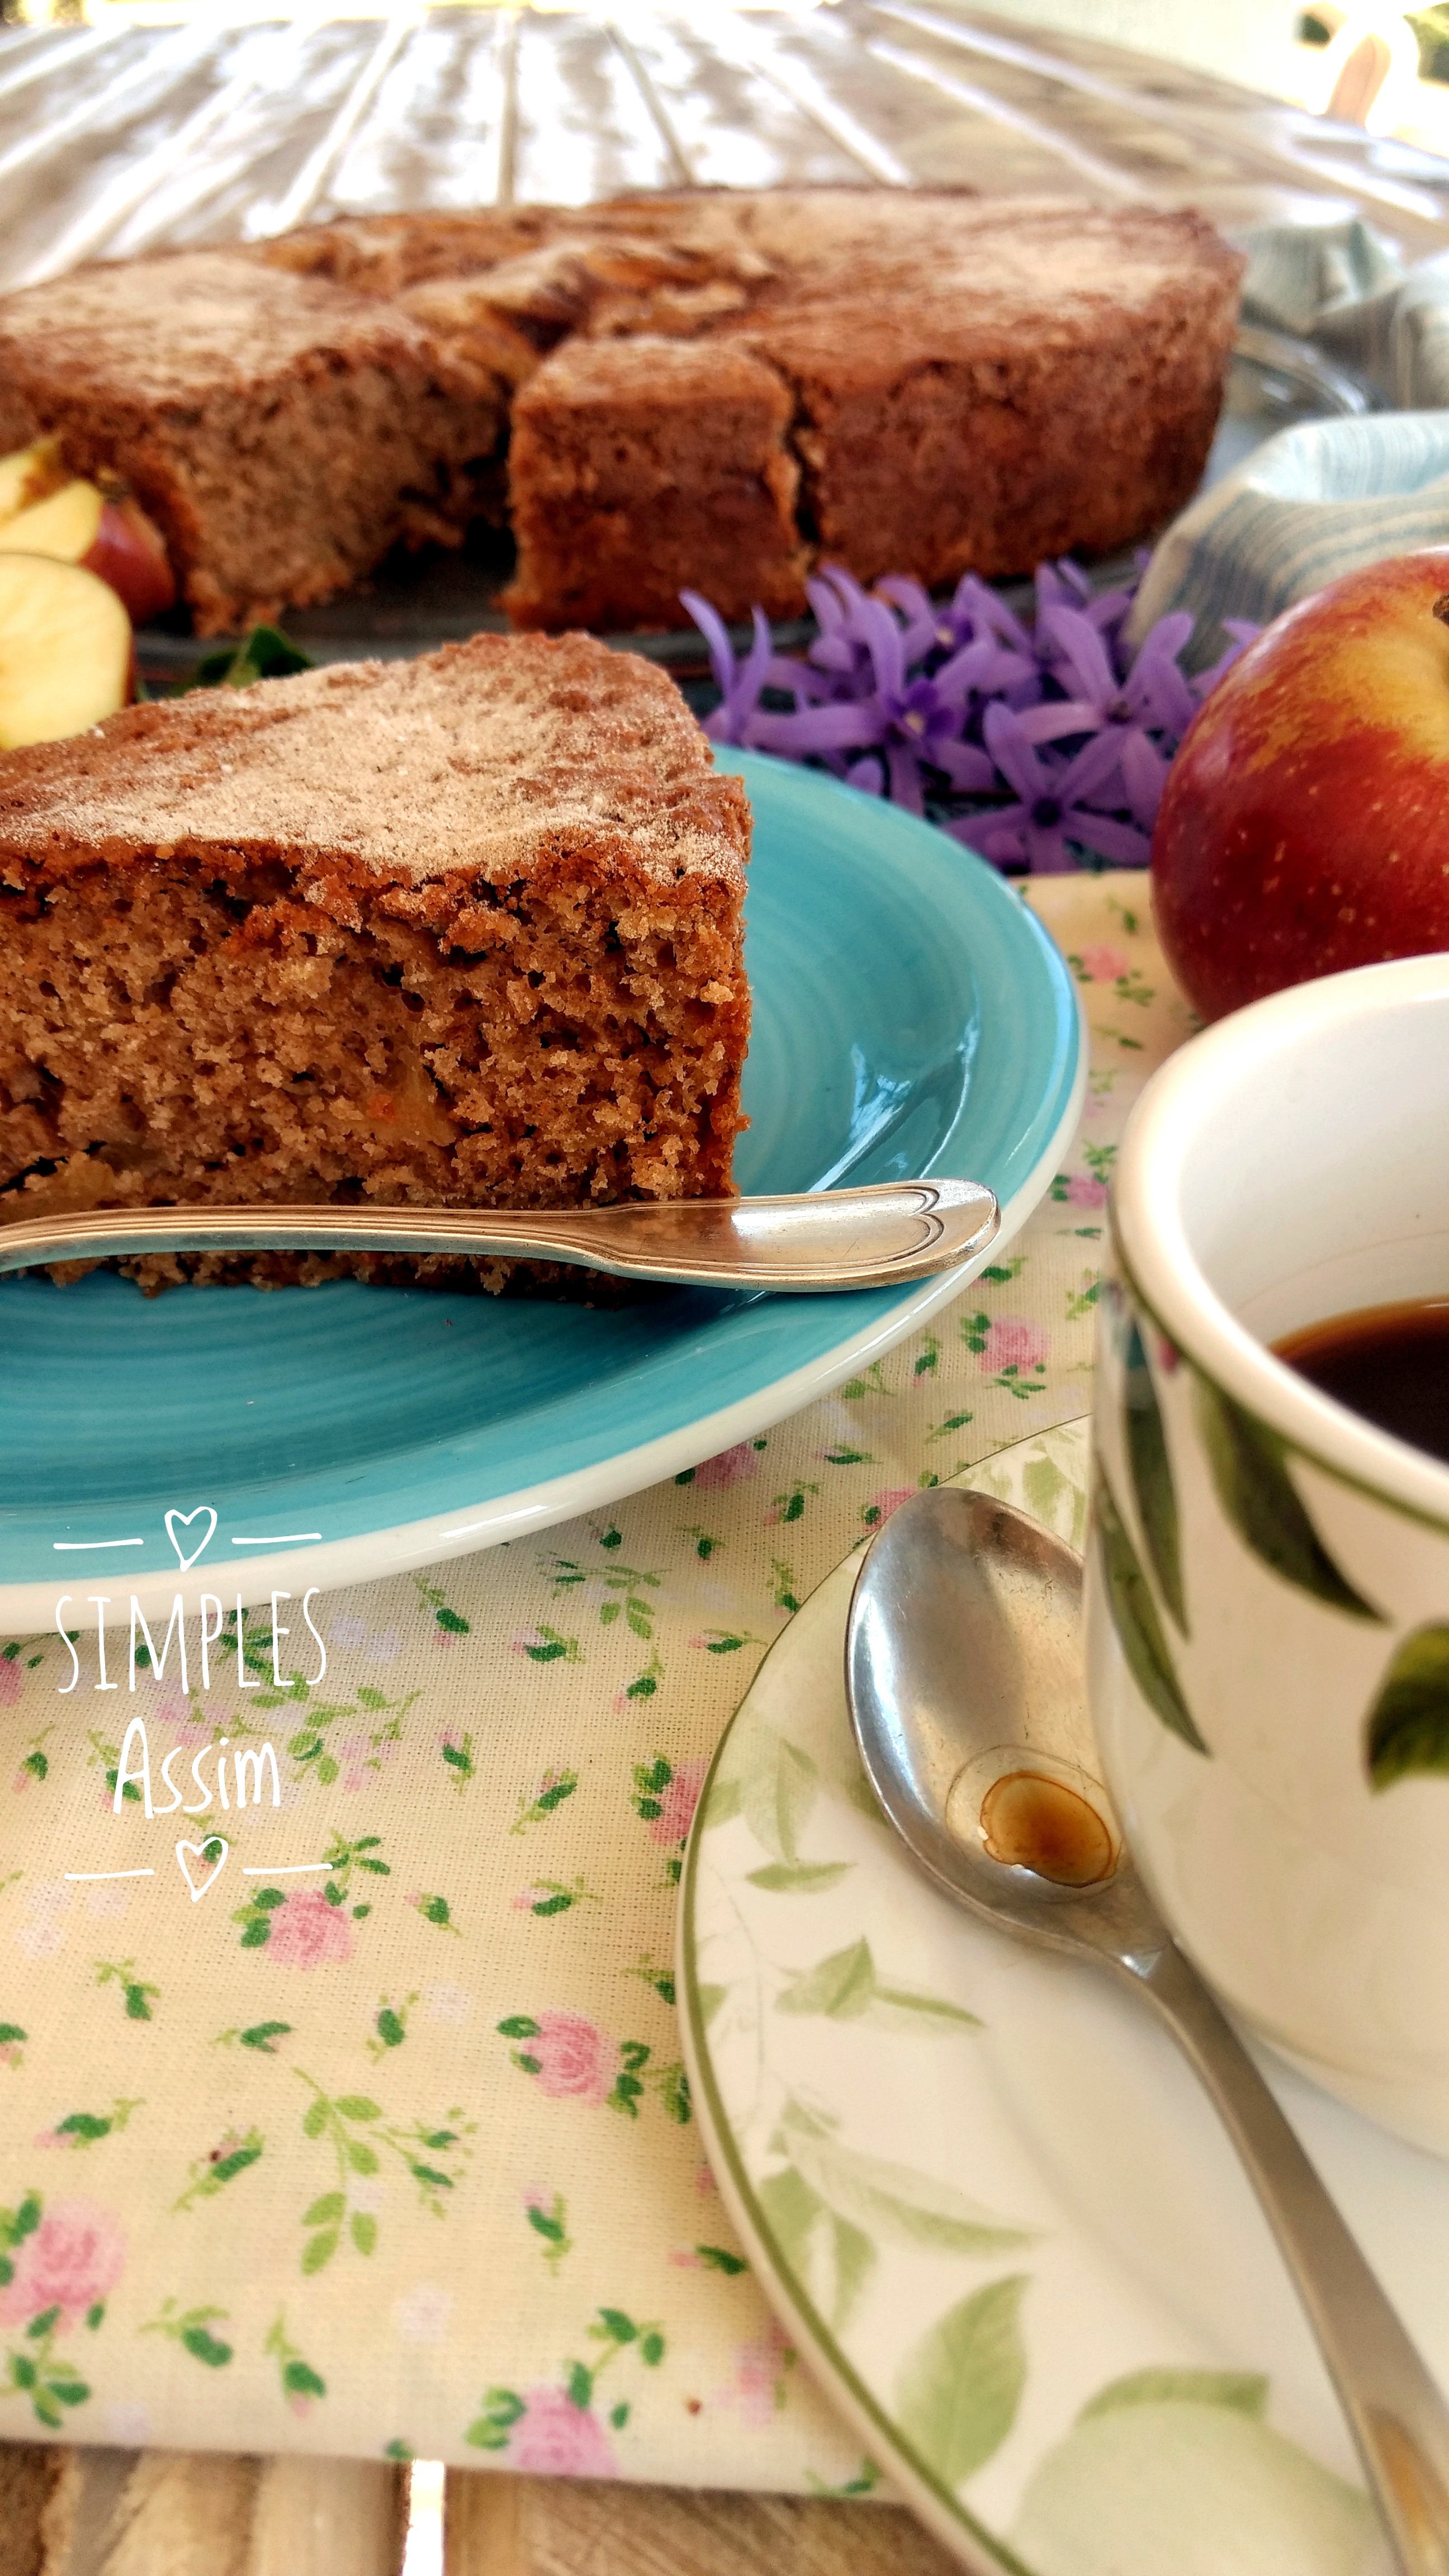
(1249, 1465)
(1407, 1729)
(1152, 1476)
(1134, 1616)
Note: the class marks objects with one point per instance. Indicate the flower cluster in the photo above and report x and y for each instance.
(1042, 745)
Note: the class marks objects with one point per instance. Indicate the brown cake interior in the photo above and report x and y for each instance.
(459, 932)
(281, 432)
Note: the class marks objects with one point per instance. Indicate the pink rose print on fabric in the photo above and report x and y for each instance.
(1013, 1342)
(72, 2261)
(881, 1506)
(307, 1932)
(731, 1467)
(553, 2438)
(575, 2061)
(12, 1679)
(676, 1802)
(1103, 965)
(757, 2390)
(1085, 1190)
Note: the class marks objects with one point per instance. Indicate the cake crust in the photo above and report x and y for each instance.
(940, 382)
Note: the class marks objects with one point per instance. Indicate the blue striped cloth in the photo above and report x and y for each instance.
(1325, 496)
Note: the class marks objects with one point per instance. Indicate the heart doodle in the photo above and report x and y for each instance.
(183, 1520)
(202, 1851)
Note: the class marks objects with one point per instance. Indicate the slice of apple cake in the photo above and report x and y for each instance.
(459, 932)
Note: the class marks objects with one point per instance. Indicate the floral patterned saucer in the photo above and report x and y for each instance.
(988, 2199)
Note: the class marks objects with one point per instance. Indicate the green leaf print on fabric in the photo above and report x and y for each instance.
(12, 2044)
(390, 2025)
(34, 1762)
(1407, 1729)
(624, 1589)
(499, 2409)
(220, 2165)
(1175, 2473)
(865, 2482)
(651, 1973)
(547, 2215)
(106, 1757)
(546, 1800)
(191, 2328)
(261, 2035)
(434, 1909)
(718, 2258)
(543, 1645)
(789, 1506)
(1134, 1616)
(1152, 1475)
(1249, 1465)
(87, 2128)
(137, 1996)
(301, 2385)
(451, 1621)
(456, 1749)
(548, 1897)
(783, 1593)
(358, 2133)
(846, 1987)
(958, 2391)
(310, 1750)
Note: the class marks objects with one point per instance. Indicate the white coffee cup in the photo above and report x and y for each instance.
(1268, 1573)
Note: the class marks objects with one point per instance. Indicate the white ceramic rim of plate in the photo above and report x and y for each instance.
(952, 2522)
(27, 1608)
(1147, 1220)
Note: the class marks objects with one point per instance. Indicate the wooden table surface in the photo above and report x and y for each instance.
(899, 91)
(160, 2513)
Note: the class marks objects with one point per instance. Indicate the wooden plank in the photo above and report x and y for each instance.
(208, 2513)
(497, 2525)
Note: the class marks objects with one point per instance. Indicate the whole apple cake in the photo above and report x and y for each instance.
(459, 932)
(707, 388)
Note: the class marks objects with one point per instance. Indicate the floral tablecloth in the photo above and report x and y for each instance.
(395, 2155)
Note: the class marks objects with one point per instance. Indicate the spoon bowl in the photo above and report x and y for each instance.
(964, 1675)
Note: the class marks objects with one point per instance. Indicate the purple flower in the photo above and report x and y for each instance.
(1055, 736)
(1052, 806)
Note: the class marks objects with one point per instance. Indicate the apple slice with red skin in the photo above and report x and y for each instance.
(66, 651)
(1304, 826)
(114, 539)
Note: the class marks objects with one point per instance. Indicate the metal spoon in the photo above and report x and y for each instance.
(963, 1667)
(879, 1236)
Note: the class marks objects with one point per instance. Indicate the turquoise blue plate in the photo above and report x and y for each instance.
(910, 1017)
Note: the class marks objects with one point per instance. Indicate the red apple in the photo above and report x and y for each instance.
(65, 650)
(130, 553)
(1305, 822)
(112, 538)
